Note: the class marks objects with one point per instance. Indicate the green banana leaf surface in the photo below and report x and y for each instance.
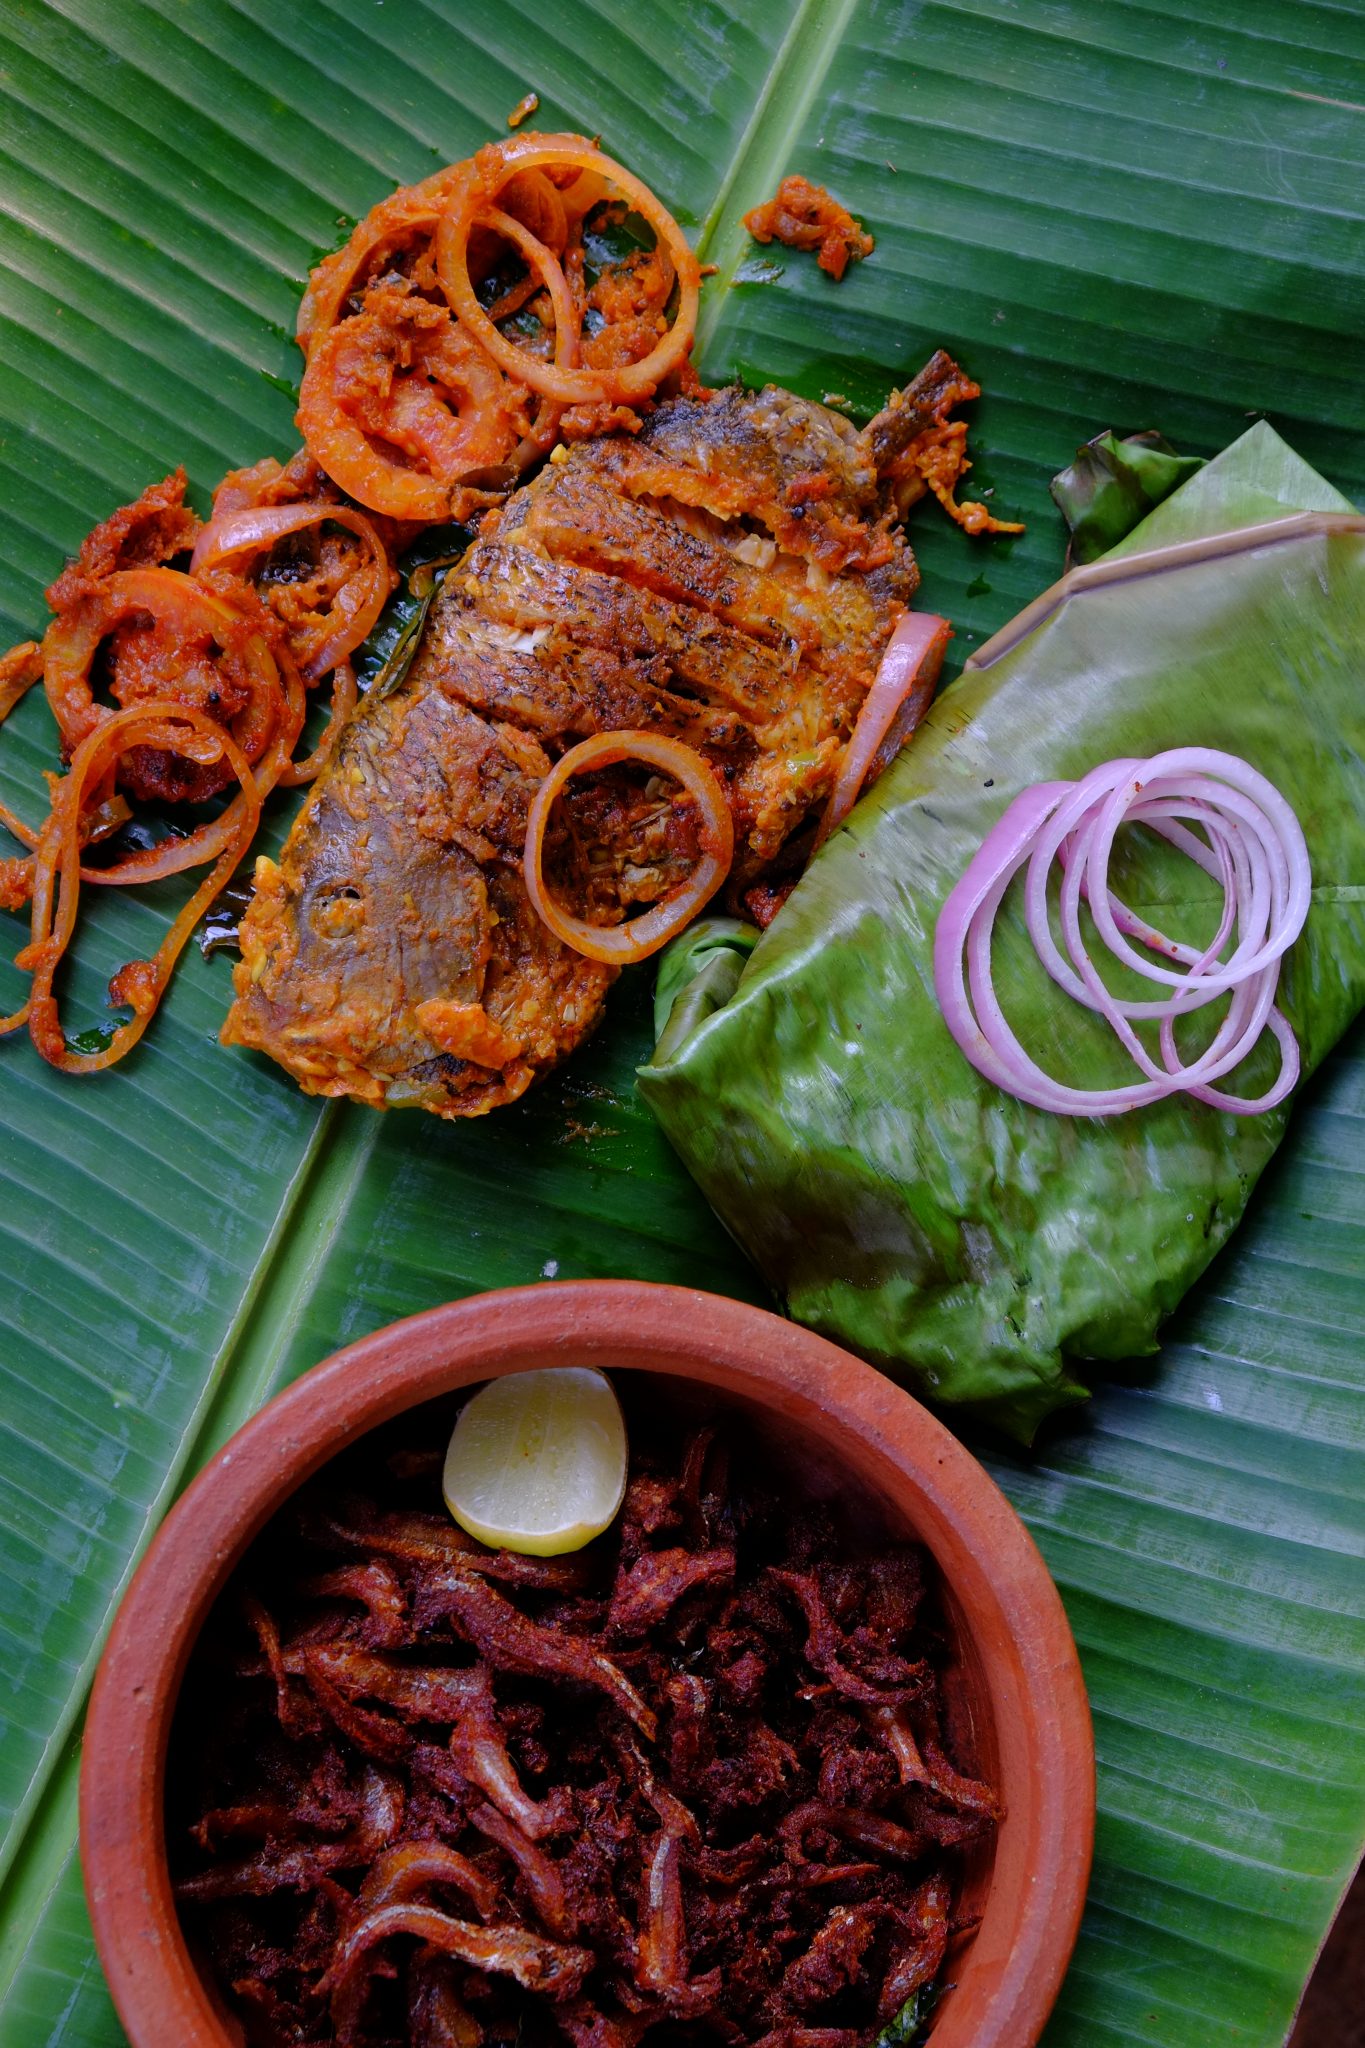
(895, 1199)
(1120, 216)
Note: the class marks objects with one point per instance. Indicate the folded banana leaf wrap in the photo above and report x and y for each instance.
(979, 1249)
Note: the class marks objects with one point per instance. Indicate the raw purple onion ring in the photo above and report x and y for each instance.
(1253, 845)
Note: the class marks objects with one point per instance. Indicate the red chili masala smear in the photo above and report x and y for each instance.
(695, 1777)
(805, 216)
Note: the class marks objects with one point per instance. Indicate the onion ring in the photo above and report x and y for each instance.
(542, 261)
(344, 696)
(902, 690)
(476, 189)
(347, 450)
(357, 604)
(619, 945)
(409, 212)
(398, 221)
(20, 669)
(265, 732)
(1254, 847)
(56, 884)
(173, 856)
(170, 597)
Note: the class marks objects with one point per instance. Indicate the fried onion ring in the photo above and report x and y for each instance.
(411, 419)
(358, 603)
(387, 229)
(466, 207)
(621, 944)
(56, 883)
(344, 696)
(186, 608)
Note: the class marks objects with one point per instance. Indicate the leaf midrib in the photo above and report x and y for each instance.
(788, 91)
(313, 1209)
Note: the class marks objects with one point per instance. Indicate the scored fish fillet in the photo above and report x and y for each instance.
(729, 576)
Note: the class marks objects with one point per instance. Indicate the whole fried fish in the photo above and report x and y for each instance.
(729, 576)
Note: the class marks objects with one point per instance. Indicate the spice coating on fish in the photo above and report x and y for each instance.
(728, 576)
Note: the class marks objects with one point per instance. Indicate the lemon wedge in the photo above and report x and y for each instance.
(537, 1461)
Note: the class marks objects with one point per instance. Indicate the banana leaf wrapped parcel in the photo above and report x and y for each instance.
(896, 1201)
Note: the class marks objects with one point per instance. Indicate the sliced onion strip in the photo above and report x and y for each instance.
(621, 944)
(903, 690)
(404, 217)
(1253, 848)
(172, 599)
(345, 694)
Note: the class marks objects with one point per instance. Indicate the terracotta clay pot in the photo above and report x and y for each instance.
(1019, 1691)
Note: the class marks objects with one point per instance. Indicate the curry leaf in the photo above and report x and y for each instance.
(910, 2025)
(386, 656)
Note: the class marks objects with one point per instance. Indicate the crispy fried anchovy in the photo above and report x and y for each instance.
(381, 1813)
(661, 1970)
(342, 1675)
(905, 1681)
(268, 1636)
(460, 1700)
(419, 1692)
(479, 1753)
(835, 1956)
(430, 1540)
(663, 1928)
(374, 1735)
(503, 1635)
(688, 1735)
(537, 1964)
(299, 1866)
(544, 1885)
(923, 1763)
(401, 1873)
(257, 1820)
(378, 1589)
(869, 1830)
(925, 1924)
(647, 1592)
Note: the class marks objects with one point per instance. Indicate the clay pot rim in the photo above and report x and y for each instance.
(1007, 1977)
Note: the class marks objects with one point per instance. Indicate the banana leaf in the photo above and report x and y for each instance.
(1111, 485)
(1120, 217)
(894, 1198)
